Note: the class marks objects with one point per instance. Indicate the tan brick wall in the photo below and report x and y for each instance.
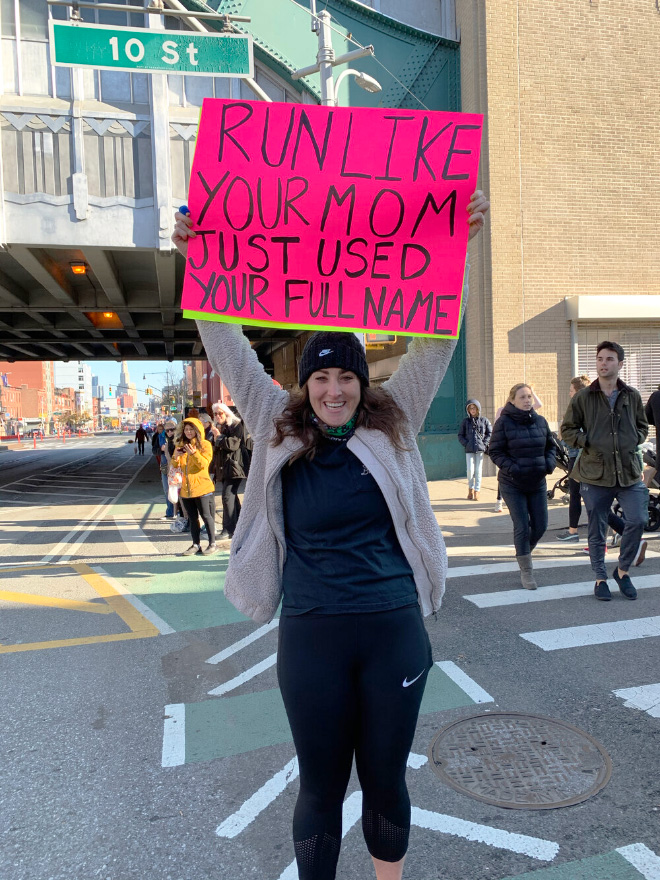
(572, 165)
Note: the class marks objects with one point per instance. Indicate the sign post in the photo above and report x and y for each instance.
(150, 51)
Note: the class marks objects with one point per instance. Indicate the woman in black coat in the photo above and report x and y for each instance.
(231, 461)
(523, 449)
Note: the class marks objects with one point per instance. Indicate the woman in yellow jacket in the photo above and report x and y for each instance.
(193, 454)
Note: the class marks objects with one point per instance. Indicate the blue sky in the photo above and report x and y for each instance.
(108, 373)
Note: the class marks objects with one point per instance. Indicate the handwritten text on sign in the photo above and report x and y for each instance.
(332, 218)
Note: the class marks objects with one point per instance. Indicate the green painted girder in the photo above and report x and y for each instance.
(407, 60)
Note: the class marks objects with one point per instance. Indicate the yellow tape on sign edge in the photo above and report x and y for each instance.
(231, 319)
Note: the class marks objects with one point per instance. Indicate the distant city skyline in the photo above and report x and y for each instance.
(109, 373)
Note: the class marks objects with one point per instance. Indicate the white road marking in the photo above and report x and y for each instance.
(504, 567)
(94, 519)
(164, 628)
(248, 812)
(237, 646)
(544, 594)
(135, 540)
(646, 697)
(465, 683)
(416, 761)
(595, 634)
(535, 847)
(642, 858)
(105, 505)
(174, 735)
(253, 671)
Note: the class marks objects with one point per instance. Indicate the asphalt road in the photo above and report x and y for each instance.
(144, 735)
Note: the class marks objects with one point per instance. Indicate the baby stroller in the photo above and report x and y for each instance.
(650, 458)
(563, 463)
(653, 523)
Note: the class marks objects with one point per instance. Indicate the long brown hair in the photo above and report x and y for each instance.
(180, 438)
(377, 410)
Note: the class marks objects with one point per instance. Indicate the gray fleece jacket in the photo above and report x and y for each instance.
(253, 583)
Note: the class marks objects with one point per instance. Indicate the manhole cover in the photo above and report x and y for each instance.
(524, 762)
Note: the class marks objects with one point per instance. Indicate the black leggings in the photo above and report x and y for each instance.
(352, 684)
(204, 505)
(574, 504)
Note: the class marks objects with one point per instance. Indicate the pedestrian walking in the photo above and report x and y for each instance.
(606, 421)
(575, 499)
(522, 448)
(499, 503)
(193, 455)
(337, 522)
(231, 462)
(474, 436)
(157, 441)
(652, 412)
(140, 437)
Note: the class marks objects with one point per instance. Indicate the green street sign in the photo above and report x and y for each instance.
(150, 51)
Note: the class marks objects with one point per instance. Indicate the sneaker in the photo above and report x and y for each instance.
(625, 585)
(499, 506)
(602, 591)
(640, 556)
(616, 540)
(586, 550)
(167, 517)
(568, 536)
(223, 536)
(194, 548)
(210, 550)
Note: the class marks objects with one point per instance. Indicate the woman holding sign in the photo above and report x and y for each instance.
(337, 523)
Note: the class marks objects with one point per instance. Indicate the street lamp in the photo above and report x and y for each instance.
(326, 60)
(366, 82)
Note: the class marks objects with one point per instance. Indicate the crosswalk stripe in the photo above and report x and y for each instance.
(642, 858)
(135, 540)
(646, 697)
(233, 683)
(595, 634)
(243, 643)
(544, 594)
(504, 567)
(465, 683)
(174, 737)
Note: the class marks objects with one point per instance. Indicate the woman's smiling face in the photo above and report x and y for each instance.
(334, 395)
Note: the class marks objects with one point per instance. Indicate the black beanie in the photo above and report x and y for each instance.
(325, 349)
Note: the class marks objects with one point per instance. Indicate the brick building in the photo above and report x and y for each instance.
(35, 376)
(570, 156)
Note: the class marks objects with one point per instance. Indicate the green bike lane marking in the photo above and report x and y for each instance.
(625, 863)
(219, 728)
(187, 594)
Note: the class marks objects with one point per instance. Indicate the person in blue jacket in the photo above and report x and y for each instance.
(474, 436)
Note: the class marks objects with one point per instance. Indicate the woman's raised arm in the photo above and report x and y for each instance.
(233, 358)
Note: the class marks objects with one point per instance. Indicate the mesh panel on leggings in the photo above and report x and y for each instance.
(384, 840)
(317, 857)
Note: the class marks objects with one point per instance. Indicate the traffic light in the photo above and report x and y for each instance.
(110, 391)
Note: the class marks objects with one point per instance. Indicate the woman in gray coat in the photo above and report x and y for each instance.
(337, 523)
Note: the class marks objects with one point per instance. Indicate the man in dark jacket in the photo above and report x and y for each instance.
(474, 436)
(606, 422)
(140, 437)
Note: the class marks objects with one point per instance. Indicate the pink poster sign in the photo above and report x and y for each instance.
(330, 218)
